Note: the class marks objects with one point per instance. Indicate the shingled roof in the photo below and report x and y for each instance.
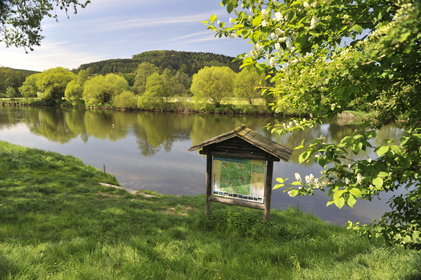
(275, 149)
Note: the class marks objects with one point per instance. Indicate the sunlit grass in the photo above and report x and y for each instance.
(57, 222)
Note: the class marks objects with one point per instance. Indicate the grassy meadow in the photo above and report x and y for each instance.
(58, 222)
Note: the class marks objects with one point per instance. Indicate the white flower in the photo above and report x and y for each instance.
(279, 16)
(279, 32)
(314, 21)
(359, 178)
(264, 23)
(231, 20)
(258, 47)
(305, 4)
(369, 159)
(265, 13)
(283, 39)
(277, 46)
(297, 176)
(309, 179)
(272, 61)
(272, 36)
(254, 54)
(347, 181)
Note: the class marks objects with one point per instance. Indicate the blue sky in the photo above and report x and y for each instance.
(118, 29)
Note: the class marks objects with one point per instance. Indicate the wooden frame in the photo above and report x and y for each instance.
(232, 201)
(242, 143)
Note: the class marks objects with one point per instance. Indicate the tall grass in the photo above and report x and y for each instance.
(57, 222)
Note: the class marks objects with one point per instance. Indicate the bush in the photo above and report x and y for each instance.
(126, 100)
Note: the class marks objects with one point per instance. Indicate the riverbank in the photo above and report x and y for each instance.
(181, 106)
(57, 221)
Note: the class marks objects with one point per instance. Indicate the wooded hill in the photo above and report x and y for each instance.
(11, 79)
(187, 62)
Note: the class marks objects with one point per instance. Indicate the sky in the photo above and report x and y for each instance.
(108, 29)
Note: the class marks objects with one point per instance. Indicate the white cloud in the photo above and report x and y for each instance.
(49, 55)
(155, 21)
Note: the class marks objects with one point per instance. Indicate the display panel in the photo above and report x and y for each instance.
(239, 178)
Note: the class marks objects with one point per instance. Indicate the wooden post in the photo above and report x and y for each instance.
(208, 184)
(268, 189)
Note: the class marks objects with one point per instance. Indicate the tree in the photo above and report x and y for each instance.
(48, 85)
(155, 92)
(182, 83)
(126, 100)
(100, 89)
(213, 83)
(11, 92)
(324, 57)
(20, 21)
(12, 78)
(29, 86)
(144, 70)
(74, 92)
(52, 83)
(247, 84)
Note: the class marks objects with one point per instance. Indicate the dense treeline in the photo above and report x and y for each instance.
(186, 62)
(149, 87)
(11, 79)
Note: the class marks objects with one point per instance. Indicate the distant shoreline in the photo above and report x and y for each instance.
(173, 107)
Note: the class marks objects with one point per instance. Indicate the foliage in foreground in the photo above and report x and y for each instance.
(327, 56)
(20, 21)
(56, 222)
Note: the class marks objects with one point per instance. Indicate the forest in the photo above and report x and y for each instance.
(187, 62)
(10, 81)
(153, 80)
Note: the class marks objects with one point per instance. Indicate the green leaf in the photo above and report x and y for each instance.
(213, 18)
(257, 20)
(356, 192)
(304, 156)
(281, 180)
(357, 28)
(357, 147)
(296, 183)
(351, 201)
(378, 182)
(330, 203)
(382, 150)
(404, 36)
(277, 186)
(396, 150)
(293, 193)
(230, 7)
(382, 174)
(339, 202)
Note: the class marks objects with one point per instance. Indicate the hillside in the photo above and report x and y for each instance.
(12, 78)
(187, 62)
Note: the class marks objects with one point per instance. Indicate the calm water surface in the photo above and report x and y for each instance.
(149, 150)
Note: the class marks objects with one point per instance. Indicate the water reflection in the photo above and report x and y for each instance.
(149, 150)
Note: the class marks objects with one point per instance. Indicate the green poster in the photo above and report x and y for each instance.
(239, 178)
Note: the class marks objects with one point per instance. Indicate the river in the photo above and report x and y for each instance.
(147, 150)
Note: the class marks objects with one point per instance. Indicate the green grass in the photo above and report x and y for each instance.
(57, 222)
